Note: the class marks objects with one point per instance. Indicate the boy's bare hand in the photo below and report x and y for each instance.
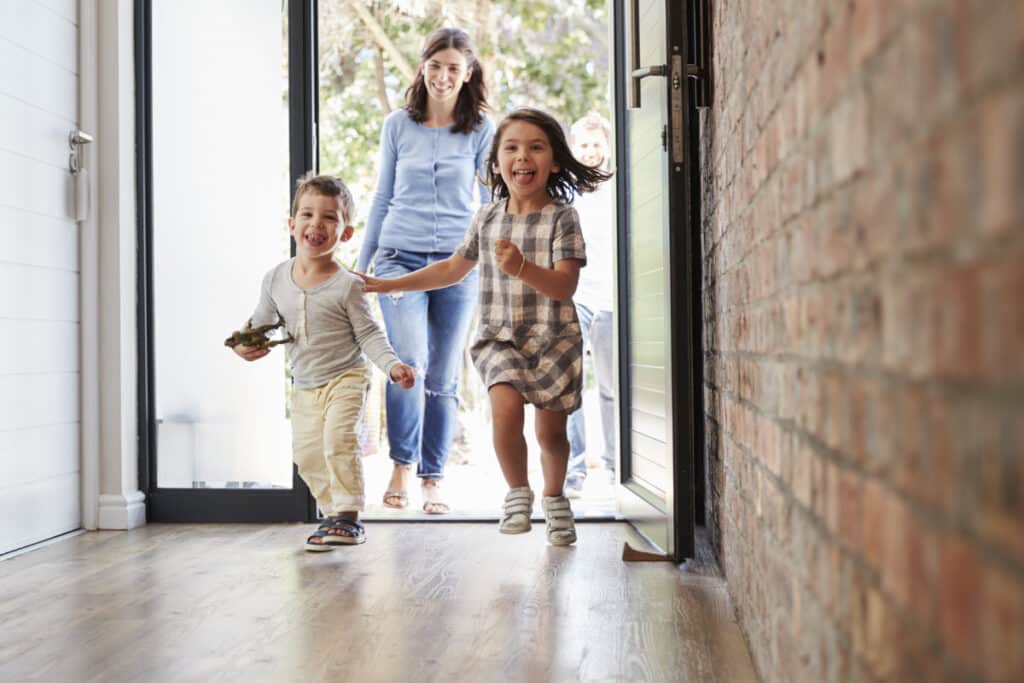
(374, 284)
(508, 257)
(403, 375)
(250, 352)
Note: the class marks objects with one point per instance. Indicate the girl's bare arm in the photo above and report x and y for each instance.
(558, 282)
(435, 276)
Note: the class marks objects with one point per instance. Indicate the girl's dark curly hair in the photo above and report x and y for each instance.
(472, 101)
(573, 177)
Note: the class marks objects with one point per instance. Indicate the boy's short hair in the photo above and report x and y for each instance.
(591, 121)
(328, 186)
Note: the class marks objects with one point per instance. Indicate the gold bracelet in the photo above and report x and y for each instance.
(521, 266)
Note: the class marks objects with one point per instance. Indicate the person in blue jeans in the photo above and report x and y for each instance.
(590, 137)
(432, 156)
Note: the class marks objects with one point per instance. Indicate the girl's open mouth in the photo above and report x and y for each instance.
(523, 176)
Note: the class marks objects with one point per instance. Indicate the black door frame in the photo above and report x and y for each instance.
(684, 36)
(212, 505)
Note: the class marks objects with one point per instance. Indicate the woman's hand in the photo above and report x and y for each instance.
(375, 284)
(404, 375)
(508, 257)
(250, 352)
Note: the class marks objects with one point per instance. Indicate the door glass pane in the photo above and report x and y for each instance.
(220, 204)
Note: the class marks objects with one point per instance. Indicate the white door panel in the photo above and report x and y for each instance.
(33, 293)
(33, 133)
(40, 411)
(66, 9)
(39, 346)
(44, 508)
(53, 242)
(42, 31)
(58, 441)
(31, 78)
(35, 186)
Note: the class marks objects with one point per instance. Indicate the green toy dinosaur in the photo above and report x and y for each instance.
(257, 336)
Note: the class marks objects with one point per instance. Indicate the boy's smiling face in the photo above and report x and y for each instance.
(318, 225)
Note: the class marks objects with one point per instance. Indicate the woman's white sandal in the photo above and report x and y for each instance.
(561, 525)
(515, 518)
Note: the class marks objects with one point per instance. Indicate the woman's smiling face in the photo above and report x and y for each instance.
(444, 72)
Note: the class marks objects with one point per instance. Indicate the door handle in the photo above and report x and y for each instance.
(76, 139)
(657, 70)
(638, 75)
(636, 72)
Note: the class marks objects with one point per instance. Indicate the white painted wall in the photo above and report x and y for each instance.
(40, 464)
(110, 362)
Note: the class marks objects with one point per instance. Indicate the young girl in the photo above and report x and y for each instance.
(528, 347)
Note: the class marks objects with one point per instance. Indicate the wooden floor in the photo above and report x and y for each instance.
(417, 602)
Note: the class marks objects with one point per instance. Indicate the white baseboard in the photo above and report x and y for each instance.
(125, 511)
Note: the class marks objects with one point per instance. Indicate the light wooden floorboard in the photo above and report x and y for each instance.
(417, 602)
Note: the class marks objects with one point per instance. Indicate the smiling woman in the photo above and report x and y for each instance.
(431, 153)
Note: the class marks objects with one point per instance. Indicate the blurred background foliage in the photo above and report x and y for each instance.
(551, 54)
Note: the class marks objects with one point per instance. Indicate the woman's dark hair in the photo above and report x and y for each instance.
(573, 177)
(472, 99)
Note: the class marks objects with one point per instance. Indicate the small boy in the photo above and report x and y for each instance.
(327, 316)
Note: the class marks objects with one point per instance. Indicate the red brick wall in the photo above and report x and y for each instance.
(863, 248)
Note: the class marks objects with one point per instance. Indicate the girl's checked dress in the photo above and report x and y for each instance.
(526, 338)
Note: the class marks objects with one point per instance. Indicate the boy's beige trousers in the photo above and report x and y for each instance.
(325, 424)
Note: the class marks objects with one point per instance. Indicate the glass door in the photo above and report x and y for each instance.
(218, 175)
(656, 336)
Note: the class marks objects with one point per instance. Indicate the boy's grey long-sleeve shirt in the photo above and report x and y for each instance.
(331, 325)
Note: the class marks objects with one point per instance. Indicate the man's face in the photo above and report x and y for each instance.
(590, 146)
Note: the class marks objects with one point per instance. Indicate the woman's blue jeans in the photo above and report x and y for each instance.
(428, 331)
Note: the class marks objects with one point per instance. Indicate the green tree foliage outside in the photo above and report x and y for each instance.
(551, 54)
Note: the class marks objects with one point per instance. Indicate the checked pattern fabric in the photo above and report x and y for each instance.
(525, 338)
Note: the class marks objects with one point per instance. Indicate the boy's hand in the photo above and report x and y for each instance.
(374, 284)
(508, 257)
(250, 352)
(403, 375)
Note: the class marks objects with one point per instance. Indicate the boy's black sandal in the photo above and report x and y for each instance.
(323, 532)
(352, 531)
